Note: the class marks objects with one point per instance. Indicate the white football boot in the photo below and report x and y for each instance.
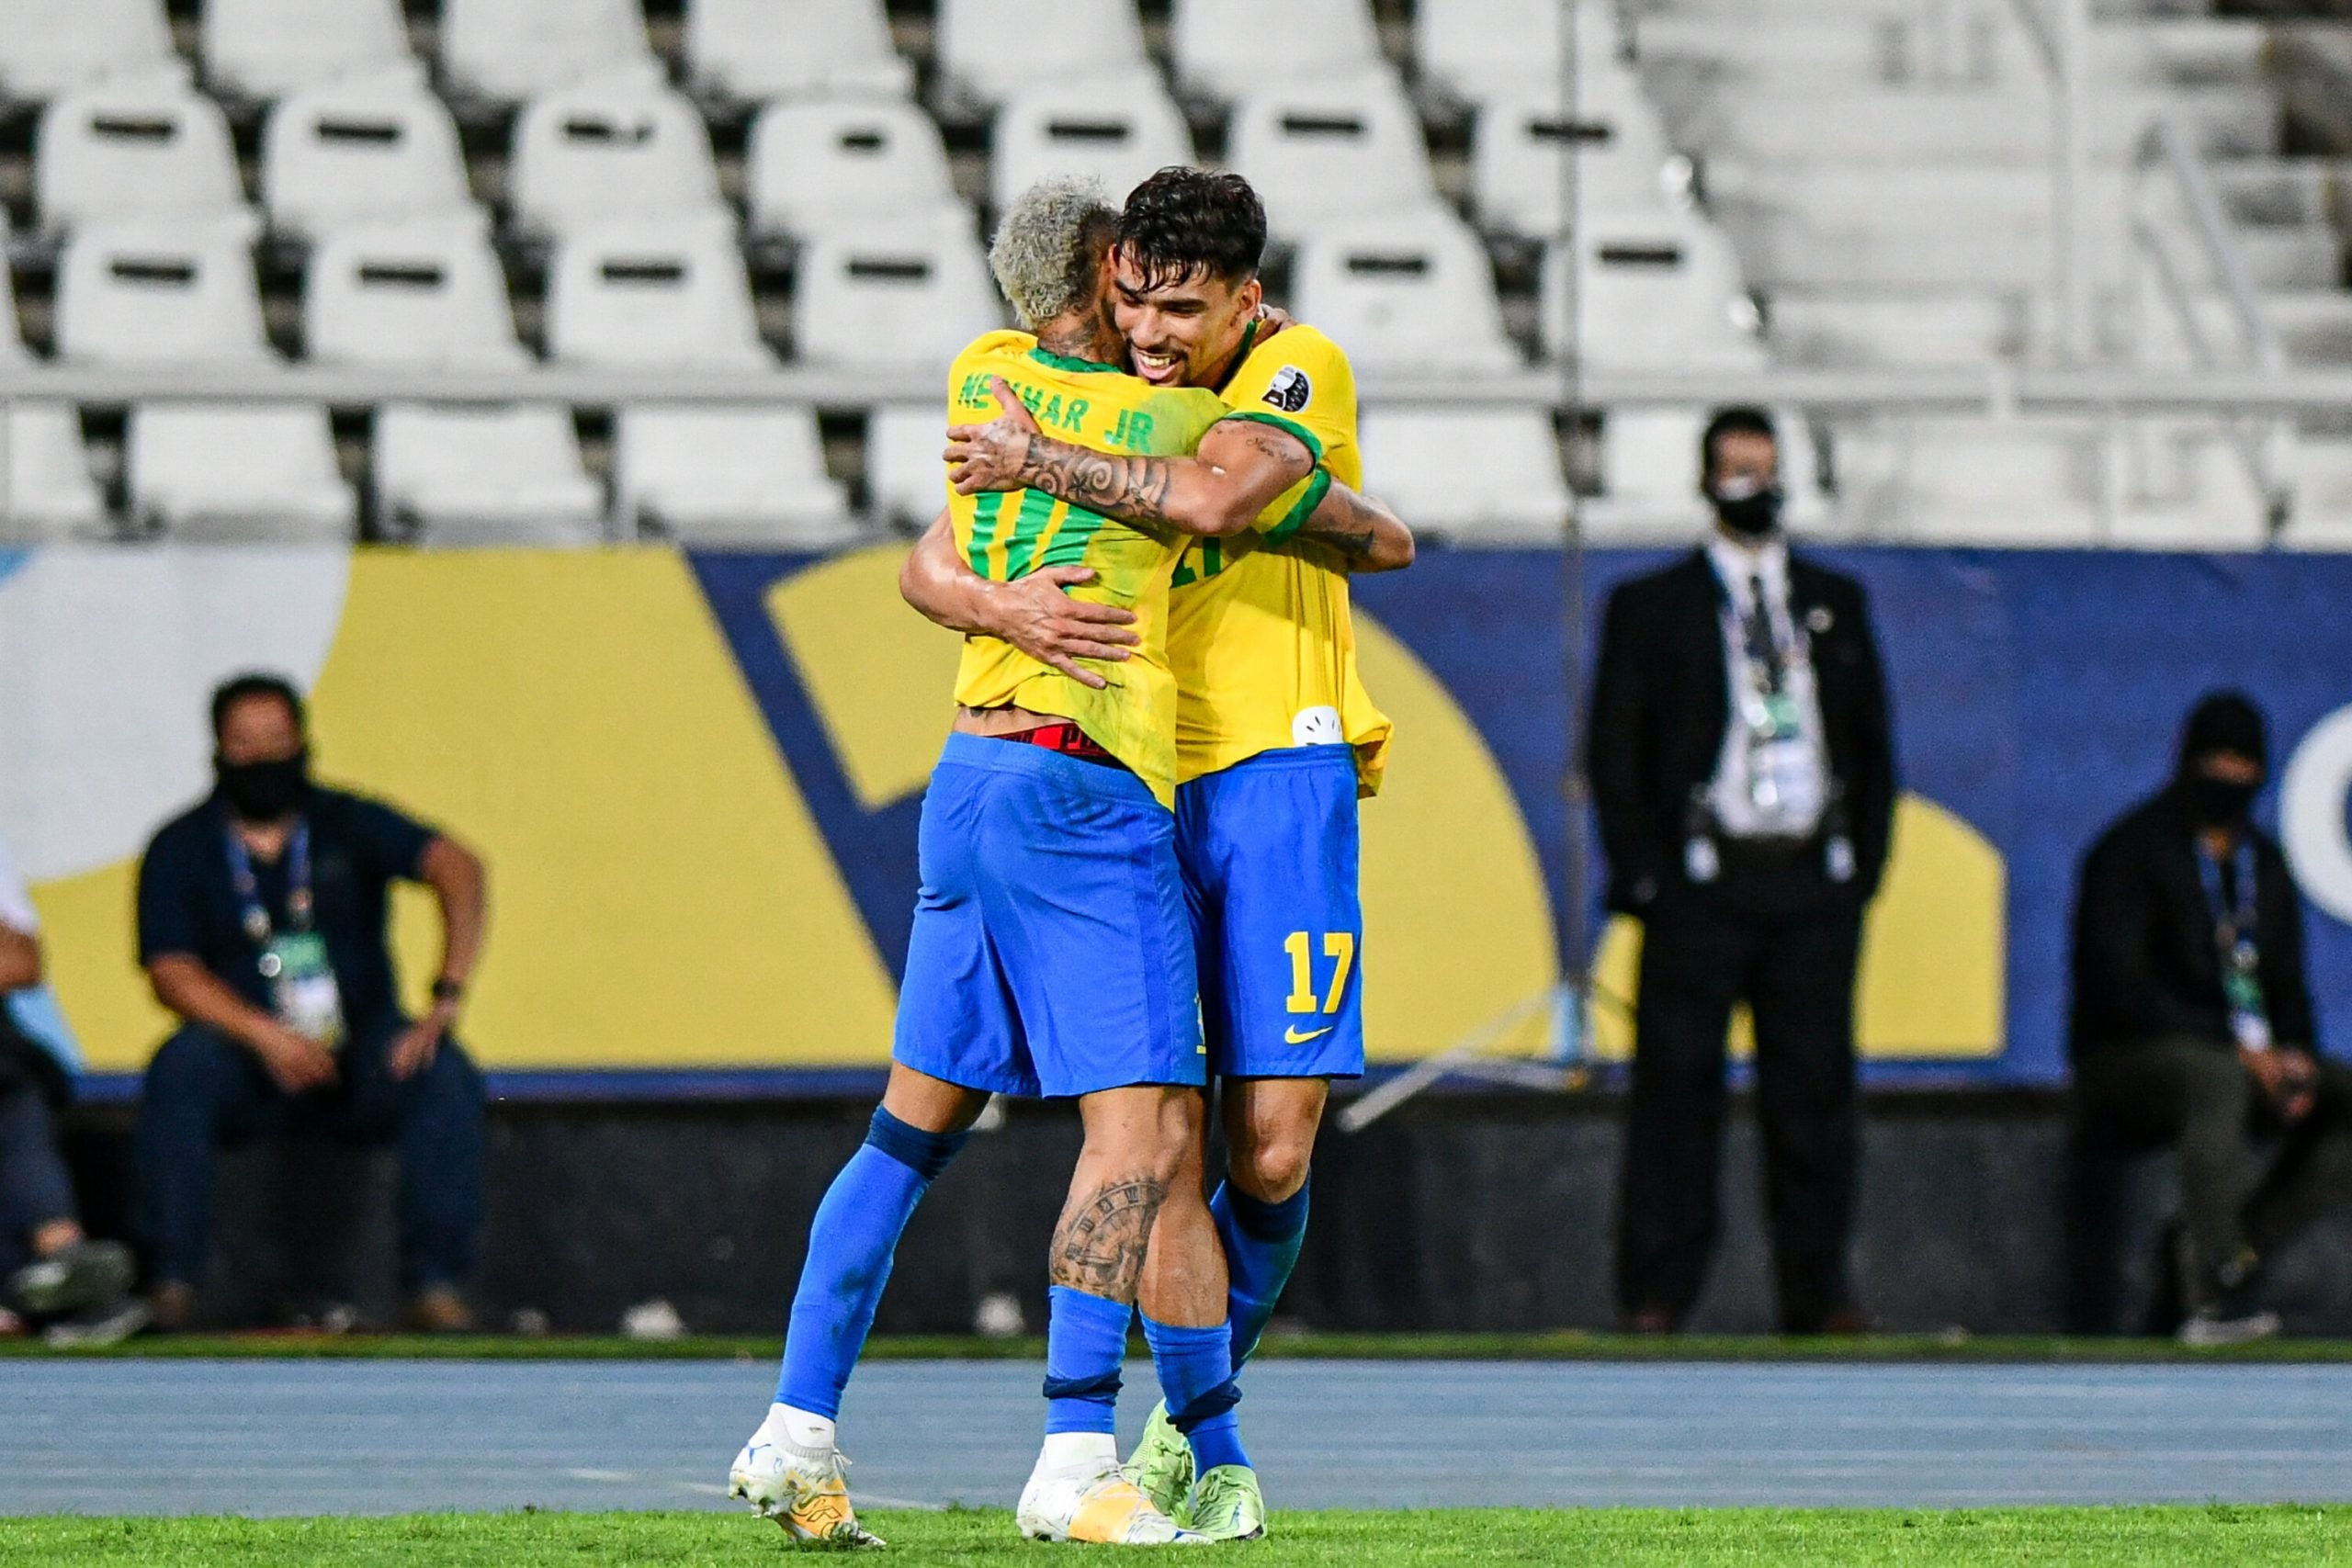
(802, 1489)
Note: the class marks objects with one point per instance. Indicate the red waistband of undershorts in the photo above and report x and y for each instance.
(1067, 738)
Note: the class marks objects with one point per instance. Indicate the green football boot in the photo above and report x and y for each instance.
(1228, 1505)
(1161, 1466)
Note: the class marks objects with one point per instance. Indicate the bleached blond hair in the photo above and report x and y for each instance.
(1048, 248)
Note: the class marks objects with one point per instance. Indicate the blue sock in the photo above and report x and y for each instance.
(851, 1243)
(1195, 1368)
(1086, 1344)
(1261, 1242)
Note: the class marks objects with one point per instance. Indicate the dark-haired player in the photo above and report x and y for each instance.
(1276, 739)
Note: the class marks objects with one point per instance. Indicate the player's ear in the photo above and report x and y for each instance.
(1252, 294)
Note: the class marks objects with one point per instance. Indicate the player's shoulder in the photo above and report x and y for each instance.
(1002, 343)
(1295, 369)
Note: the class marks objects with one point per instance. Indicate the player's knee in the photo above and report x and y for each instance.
(1177, 1135)
(1272, 1165)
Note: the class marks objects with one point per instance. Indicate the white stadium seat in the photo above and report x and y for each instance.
(1225, 49)
(1118, 139)
(159, 292)
(1325, 154)
(48, 47)
(822, 163)
(643, 295)
(604, 150)
(753, 50)
(239, 471)
(1654, 290)
(363, 153)
(904, 473)
(476, 476)
(423, 295)
(1521, 150)
(737, 476)
(506, 50)
(145, 149)
(993, 48)
(1487, 474)
(49, 491)
(1478, 48)
(265, 49)
(891, 298)
(1404, 294)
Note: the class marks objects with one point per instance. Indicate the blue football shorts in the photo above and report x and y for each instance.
(1052, 952)
(1270, 853)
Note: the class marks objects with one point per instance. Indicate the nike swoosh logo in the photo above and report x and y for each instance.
(1292, 1037)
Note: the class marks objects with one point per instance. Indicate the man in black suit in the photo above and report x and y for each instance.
(1743, 771)
(2192, 1023)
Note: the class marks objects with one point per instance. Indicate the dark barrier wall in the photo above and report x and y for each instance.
(1459, 1212)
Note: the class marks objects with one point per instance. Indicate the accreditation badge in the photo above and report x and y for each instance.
(302, 987)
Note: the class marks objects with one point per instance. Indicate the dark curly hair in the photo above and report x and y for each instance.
(1184, 222)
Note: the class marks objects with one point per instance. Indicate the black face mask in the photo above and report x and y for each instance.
(2220, 803)
(1752, 515)
(264, 792)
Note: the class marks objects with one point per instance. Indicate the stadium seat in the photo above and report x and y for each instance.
(144, 149)
(904, 474)
(646, 294)
(993, 48)
(159, 292)
(891, 298)
(749, 51)
(736, 476)
(487, 476)
(49, 491)
(603, 150)
(1404, 294)
(427, 295)
(237, 472)
(261, 49)
(1321, 153)
(1227, 49)
(1475, 50)
(506, 50)
(1519, 161)
(1476, 474)
(1118, 140)
(48, 47)
(369, 152)
(1655, 290)
(822, 163)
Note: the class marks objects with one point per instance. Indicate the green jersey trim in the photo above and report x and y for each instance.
(1288, 426)
(1318, 485)
(1072, 363)
(985, 515)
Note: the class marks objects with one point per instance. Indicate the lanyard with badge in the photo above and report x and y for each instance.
(2233, 934)
(1784, 777)
(302, 987)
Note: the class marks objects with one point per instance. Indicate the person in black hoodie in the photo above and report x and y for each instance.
(2192, 1024)
(1741, 761)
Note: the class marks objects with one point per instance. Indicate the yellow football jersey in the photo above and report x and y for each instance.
(1259, 632)
(1006, 535)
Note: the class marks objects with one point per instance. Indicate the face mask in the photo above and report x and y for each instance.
(2221, 803)
(264, 792)
(1746, 507)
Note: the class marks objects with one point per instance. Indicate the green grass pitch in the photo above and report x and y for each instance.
(1619, 1538)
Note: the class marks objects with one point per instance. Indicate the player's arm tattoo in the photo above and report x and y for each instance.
(1134, 490)
(1099, 1245)
(1371, 537)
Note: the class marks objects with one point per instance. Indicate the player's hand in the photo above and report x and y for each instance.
(1273, 319)
(1037, 616)
(295, 1062)
(418, 1044)
(989, 457)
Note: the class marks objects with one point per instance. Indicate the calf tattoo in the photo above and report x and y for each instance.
(1099, 1245)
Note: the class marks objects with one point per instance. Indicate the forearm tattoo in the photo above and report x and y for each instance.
(1099, 1245)
(1344, 522)
(1132, 488)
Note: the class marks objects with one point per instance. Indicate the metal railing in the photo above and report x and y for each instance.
(2060, 33)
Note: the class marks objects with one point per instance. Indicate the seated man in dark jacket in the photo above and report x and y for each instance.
(2192, 1025)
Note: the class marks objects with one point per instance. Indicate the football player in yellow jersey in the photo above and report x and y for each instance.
(1276, 738)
